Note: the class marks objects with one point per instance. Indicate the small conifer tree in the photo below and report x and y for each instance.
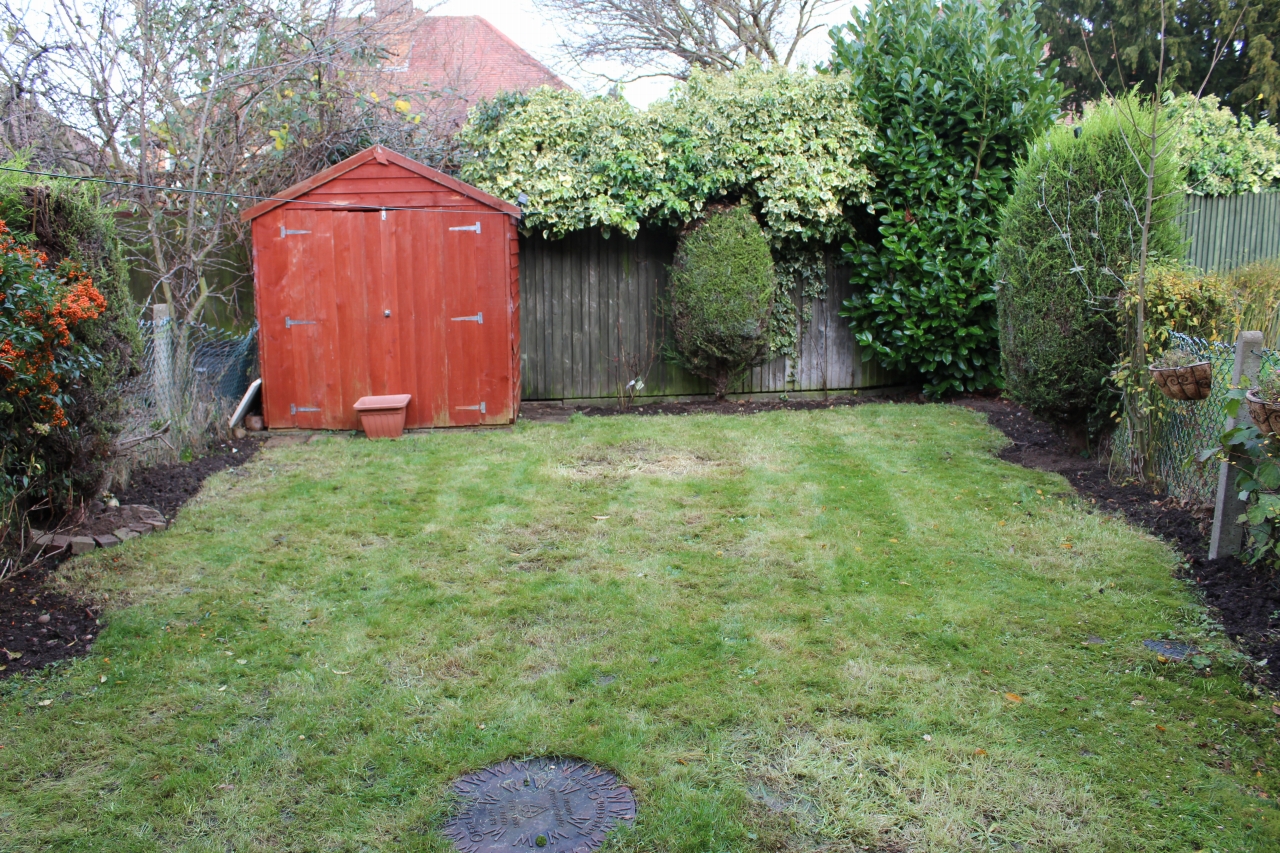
(722, 288)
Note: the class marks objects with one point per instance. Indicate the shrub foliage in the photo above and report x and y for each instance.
(956, 92)
(68, 331)
(1225, 154)
(788, 143)
(721, 297)
(1069, 241)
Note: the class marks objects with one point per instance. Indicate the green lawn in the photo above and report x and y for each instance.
(838, 630)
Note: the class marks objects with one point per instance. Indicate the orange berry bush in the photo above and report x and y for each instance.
(41, 358)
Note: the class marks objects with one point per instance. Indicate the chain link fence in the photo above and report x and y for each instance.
(1182, 429)
(191, 376)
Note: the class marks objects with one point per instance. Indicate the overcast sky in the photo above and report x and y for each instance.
(521, 21)
(523, 24)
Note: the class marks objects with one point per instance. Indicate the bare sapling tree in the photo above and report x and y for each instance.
(197, 107)
(672, 37)
(1149, 141)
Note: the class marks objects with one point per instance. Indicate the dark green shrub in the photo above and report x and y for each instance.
(956, 91)
(721, 295)
(59, 461)
(1069, 240)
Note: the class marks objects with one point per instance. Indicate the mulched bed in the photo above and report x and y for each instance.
(1245, 599)
(546, 411)
(26, 642)
(168, 487)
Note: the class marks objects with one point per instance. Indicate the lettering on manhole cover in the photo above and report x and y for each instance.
(547, 805)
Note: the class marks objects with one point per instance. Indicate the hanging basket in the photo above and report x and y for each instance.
(1265, 416)
(1193, 382)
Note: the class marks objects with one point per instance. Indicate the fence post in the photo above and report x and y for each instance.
(162, 360)
(1227, 531)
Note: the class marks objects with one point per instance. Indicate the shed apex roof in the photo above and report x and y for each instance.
(381, 155)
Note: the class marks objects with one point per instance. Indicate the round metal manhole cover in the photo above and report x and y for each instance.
(547, 805)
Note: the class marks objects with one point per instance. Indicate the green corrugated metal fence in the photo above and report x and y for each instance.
(1230, 231)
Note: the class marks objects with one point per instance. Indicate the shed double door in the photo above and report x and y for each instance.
(389, 302)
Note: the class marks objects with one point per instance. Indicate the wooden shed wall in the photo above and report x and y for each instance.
(589, 301)
(338, 268)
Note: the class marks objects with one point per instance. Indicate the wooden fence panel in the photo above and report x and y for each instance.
(590, 303)
(1226, 232)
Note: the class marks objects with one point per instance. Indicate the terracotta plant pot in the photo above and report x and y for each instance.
(1193, 382)
(382, 417)
(1265, 416)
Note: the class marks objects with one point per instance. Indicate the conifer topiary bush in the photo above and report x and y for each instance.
(1069, 240)
(721, 296)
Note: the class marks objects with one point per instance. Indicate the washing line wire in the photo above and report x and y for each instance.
(330, 204)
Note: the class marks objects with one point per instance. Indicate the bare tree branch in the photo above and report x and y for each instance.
(671, 37)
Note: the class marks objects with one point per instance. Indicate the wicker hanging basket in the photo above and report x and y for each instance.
(1265, 416)
(1193, 382)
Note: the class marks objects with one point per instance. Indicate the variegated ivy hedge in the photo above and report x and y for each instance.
(787, 142)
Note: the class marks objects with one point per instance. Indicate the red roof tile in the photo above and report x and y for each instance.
(463, 57)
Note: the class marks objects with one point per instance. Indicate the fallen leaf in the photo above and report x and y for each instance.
(599, 517)
(1275, 709)
(226, 787)
(1160, 728)
(222, 688)
(102, 679)
(904, 583)
(45, 703)
(1013, 697)
(928, 737)
(342, 671)
(241, 661)
(893, 540)
(979, 752)
(1066, 545)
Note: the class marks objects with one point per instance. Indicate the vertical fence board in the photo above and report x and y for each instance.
(588, 299)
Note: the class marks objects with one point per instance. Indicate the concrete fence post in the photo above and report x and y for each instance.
(162, 360)
(1228, 533)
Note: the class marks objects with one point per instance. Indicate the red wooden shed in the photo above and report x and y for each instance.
(382, 276)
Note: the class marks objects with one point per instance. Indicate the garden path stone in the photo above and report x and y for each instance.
(82, 544)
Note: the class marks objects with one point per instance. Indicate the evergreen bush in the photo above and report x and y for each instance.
(1069, 241)
(721, 296)
(956, 91)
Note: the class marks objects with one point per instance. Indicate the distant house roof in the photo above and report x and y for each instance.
(462, 57)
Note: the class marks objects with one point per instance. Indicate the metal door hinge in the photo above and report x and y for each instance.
(289, 324)
(475, 228)
(478, 318)
(294, 409)
(285, 232)
(479, 408)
